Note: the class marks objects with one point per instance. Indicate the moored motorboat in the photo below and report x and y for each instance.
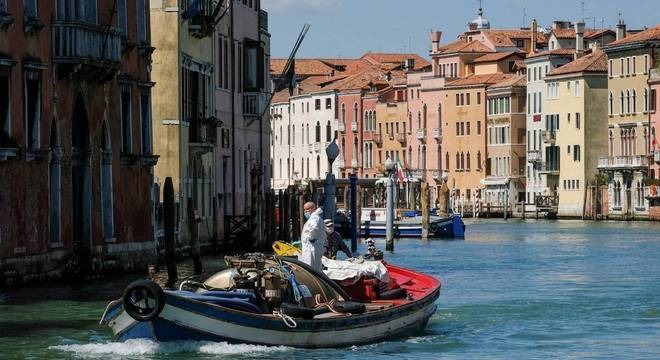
(270, 300)
(373, 225)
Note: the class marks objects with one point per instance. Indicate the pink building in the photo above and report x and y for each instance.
(654, 102)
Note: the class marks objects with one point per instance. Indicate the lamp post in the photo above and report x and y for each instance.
(389, 223)
(330, 206)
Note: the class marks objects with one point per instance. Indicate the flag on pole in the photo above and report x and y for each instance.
(399, 170)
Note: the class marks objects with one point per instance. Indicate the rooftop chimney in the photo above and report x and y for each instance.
(579, 39)
(620, 30)
(535, 29)
(435, 40)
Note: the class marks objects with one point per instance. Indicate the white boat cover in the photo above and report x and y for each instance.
(354, 269)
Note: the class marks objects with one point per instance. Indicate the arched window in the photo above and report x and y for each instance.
(447, 161)
(458, 161)
(55, 175)
(646, 100)
(355, 113)
(628, 102)
(419, 120)
(307, 134)
(318, 166)
(281, 136)
(343, 149)
(424, 115)
(424, 157)
(611, 108)
(468, 161)
(478, 160)
(328, 132)
(633, 138)
(106, 183)
(623, 111)
(318, 131)
(367, 122)
(611, 143)
(373, 120)
(343, 113)
(634, 101)
(293, 134)
(462, 161)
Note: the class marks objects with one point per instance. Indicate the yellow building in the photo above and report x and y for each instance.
(629, 140)
(575, 108)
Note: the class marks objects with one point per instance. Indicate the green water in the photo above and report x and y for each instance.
(511, 290)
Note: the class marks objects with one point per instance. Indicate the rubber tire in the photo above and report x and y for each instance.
(351, 307)
(297, 311)
(156, 292)
(393, 294)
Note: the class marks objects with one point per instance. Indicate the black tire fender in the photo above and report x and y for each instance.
(134, 297)
(297, 311)
(351, 307)
(393, 294)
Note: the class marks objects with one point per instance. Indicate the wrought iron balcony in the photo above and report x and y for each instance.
(635, 162)
(548, 168)
(534, 156)
(401, 138)
(378, 139)
(421, 134)
(77, 42)
(203, 135)
(549, 136)
(254, 104)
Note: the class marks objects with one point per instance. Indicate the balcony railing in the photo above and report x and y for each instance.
(203, 135)
(421, 134)
(78, 41)
(419, 174)
(263, 20)
(437, 133)
(318, 147)
(549, 168)
(534, 156)
(401, 138)
(341, 127)
(635, 162)
(378, 139)
(254, 104)
(549, 136)
(354, 126)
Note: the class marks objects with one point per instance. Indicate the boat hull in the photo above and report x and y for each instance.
(451, 227)
(187, 319)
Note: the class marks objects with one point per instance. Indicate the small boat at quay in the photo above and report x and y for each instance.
(373, 224)
(279, 301)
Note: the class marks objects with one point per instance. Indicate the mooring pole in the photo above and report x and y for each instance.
(425, 210)
(354, 218)
(168, 223)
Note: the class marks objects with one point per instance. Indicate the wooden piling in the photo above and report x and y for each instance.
(168, 222)
(426, 207)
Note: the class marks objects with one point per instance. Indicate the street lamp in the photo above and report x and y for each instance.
(330, 207)
(389, 222)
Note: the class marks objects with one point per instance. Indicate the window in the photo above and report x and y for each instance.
(634, 65)
(634, 101)
(126, 124)
(462, 99)
(141, 21)
(3, 6)
(253, 67)
(646, 63)
(343, 113)
(467, 99)
(609, 68)
(458, 100)
(468, 127)
(576, 152)
(478, 127)
(627, 66)
(462, 128)
(355, 113)
(5, 102)
(646, 100)
(30, 9)
(622, 108)
(328, 103)
(32, 109)
(652, 100)
(611, 105)
(577, 88)
(122, 18)
(577, 120)
(145, 123)
(478, 98)
(317, 104)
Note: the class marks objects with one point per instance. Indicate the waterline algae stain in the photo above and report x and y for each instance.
(511, 290)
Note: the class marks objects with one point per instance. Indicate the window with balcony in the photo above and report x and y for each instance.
(30, 8)
(32, 109)
(126, 121)
(79, 10)
(5, 101)
(122, 17)
(145, 123)
(253, 67)
(328, 132)
(141, 12)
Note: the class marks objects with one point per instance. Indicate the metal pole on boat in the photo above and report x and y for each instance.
(426, 207)
(354, 218)
(330, 206)
(389, 216)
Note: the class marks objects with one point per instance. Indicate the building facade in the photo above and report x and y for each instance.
(629, 140)
(76, 157)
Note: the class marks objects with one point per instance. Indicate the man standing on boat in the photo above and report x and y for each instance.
(334, 243)
(313, 237)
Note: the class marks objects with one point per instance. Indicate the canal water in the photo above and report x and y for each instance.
(511, 290)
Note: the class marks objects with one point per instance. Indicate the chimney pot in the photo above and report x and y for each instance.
(435, 40)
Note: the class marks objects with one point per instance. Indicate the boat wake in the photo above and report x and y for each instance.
(140, 348)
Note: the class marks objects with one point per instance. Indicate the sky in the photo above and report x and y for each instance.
(350, 28)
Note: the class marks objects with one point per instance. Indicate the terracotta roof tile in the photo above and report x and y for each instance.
(570, 33)
(555, 52)
(461, 46)
(280, 97)
(506, 37)
(496, 56)
(652, 34)
(395, 59)
(593, 62)
(306, 67)
(518, 80)
(488, 79)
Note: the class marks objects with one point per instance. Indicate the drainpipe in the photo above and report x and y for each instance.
(233, 106)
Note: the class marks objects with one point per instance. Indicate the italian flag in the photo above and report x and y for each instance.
(399, 170)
